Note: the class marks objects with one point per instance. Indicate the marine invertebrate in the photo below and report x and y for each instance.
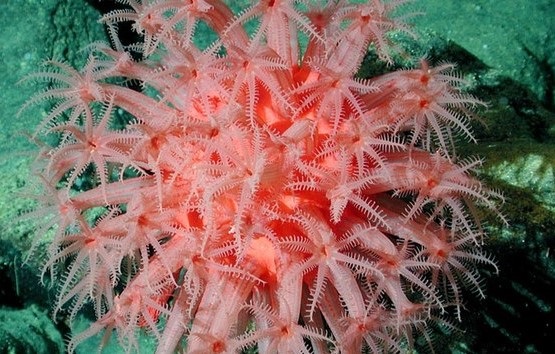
(261, 194)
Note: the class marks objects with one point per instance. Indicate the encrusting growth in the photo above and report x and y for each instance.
(258, 194)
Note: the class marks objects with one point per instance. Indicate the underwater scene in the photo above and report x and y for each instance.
(277, 176)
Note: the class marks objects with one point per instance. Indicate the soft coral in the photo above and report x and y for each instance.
(261, 194)
(90, 143)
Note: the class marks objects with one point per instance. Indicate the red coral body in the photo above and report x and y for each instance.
(260, 195)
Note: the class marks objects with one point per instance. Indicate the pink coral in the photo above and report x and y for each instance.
(261, 194)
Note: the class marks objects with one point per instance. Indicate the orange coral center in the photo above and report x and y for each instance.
(218, 346)
(92, 145)
(424, 103)
(432, 183)
(285, 331)
(86, 94)
(142, 220)
(441, 254)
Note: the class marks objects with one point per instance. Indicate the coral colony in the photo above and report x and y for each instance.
(258, 195)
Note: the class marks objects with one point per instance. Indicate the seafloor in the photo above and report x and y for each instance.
(506, 50)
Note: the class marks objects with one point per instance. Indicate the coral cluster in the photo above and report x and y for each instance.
(255, 192)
